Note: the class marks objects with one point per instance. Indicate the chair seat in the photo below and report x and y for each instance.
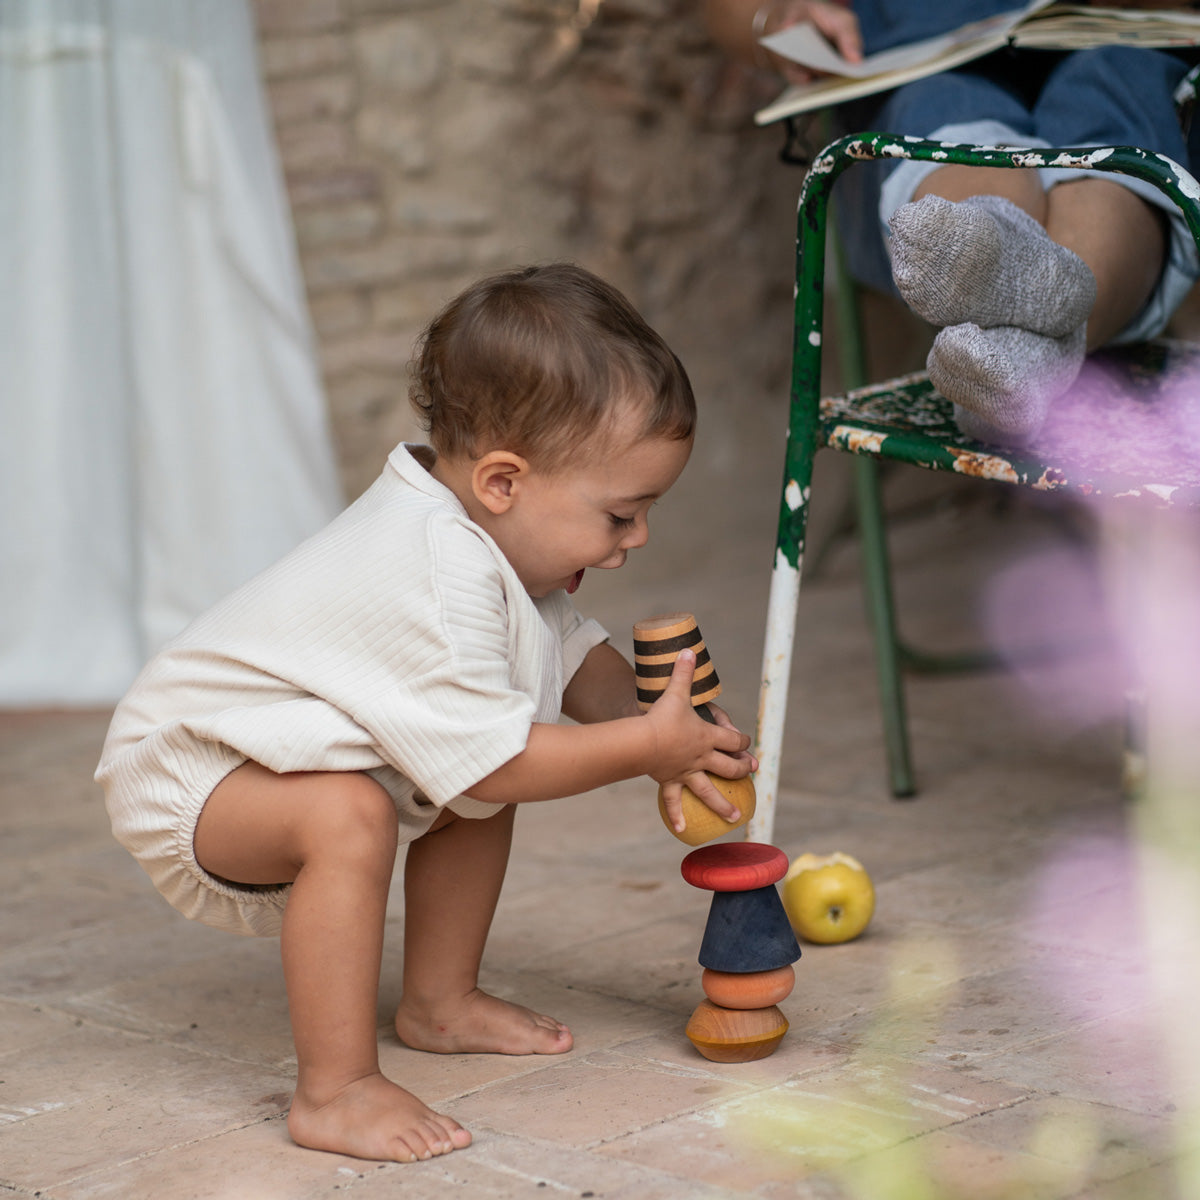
(1127, 428)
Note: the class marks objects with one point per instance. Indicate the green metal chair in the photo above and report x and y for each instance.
(907, 421)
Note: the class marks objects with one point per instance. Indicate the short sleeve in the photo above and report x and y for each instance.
(457, 710)
(576, 633)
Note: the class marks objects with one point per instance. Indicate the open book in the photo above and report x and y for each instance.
(1041, 24)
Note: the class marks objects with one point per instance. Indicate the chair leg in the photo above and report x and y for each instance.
(773, 696)
(878, 594)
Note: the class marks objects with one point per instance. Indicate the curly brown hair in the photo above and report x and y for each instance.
(539, 360)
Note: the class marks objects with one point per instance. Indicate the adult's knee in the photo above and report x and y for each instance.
(1113, 96)
(954, 98)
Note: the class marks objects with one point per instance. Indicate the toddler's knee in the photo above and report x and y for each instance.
(356, 816)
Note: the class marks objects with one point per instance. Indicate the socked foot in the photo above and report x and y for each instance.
(479, 1024)
(1003, 381)
(985, 262)
(372, 1118)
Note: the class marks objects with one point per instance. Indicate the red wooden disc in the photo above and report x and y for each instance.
(734, 866)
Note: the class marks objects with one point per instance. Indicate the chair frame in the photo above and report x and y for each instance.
(807, 433)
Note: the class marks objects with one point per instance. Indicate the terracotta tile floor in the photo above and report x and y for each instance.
(995, 1034)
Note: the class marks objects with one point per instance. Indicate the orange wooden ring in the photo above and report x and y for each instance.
(752, 989)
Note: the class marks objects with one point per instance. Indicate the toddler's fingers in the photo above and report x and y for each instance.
(721, 718)
(731, 766)
(682, 671)
(672, 794)
(744, 756)
(730, 740)
(704, 787)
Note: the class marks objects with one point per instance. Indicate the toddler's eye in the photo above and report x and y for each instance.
(622, 522)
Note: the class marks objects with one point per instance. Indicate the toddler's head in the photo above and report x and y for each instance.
(541, 361)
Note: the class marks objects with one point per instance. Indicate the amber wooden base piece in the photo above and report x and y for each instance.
(731, 1035)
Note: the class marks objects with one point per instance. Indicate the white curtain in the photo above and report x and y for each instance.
(163, 433)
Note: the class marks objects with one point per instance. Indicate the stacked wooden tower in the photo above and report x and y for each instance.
(747, 951)
(748, 947)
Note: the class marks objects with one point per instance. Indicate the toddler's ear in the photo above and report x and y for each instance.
(493, 478)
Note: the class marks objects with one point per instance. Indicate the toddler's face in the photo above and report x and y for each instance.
(590, 514)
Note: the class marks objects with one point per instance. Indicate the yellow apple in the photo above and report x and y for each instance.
(828, 897)
(701, 824)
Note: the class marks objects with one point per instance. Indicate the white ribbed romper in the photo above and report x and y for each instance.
(398, 641)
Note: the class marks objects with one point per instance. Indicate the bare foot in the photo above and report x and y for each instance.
(480, 1024)
(374, 1118)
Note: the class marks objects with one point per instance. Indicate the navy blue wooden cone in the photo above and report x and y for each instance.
(748, 931)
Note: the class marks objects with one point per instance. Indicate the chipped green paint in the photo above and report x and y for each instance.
(908, 420)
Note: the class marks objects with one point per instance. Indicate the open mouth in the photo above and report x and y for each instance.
(573, 586)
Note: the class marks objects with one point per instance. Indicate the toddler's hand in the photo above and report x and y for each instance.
(686, 744)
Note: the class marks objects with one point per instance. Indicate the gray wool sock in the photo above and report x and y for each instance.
(986, 262)
(1003, 380)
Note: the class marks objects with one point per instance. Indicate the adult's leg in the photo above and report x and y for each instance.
(452, 881)
(1005, 356)
(1126, 230)
(1120, 237)
(984, 259)
(1109, 96)
(1111, 229)
(333, 837)
(1013, 303)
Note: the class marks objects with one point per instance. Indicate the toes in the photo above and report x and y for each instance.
(436, 1137)
(430, 1136)
(402, 1151)
(457, 1138)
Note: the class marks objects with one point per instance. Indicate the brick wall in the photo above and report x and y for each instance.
(427, 142)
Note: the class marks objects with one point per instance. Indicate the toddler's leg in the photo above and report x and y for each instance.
(452, 881)
(985, 262)
(333, 836)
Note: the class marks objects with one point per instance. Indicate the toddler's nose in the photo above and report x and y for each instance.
(638, 536)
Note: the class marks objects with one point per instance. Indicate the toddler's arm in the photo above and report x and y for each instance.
(603, 688)
(670, 743)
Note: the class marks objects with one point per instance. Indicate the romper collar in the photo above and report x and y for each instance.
(413, 461)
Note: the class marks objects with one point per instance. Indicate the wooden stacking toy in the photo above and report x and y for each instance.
(748, 946)
(747, 951)
(657, 642)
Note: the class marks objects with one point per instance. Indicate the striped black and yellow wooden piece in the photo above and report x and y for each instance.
(657, 642)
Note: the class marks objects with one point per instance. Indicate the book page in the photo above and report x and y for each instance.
(1070, 27)
(833, 89)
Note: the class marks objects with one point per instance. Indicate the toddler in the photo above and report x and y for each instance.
(398, 678)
